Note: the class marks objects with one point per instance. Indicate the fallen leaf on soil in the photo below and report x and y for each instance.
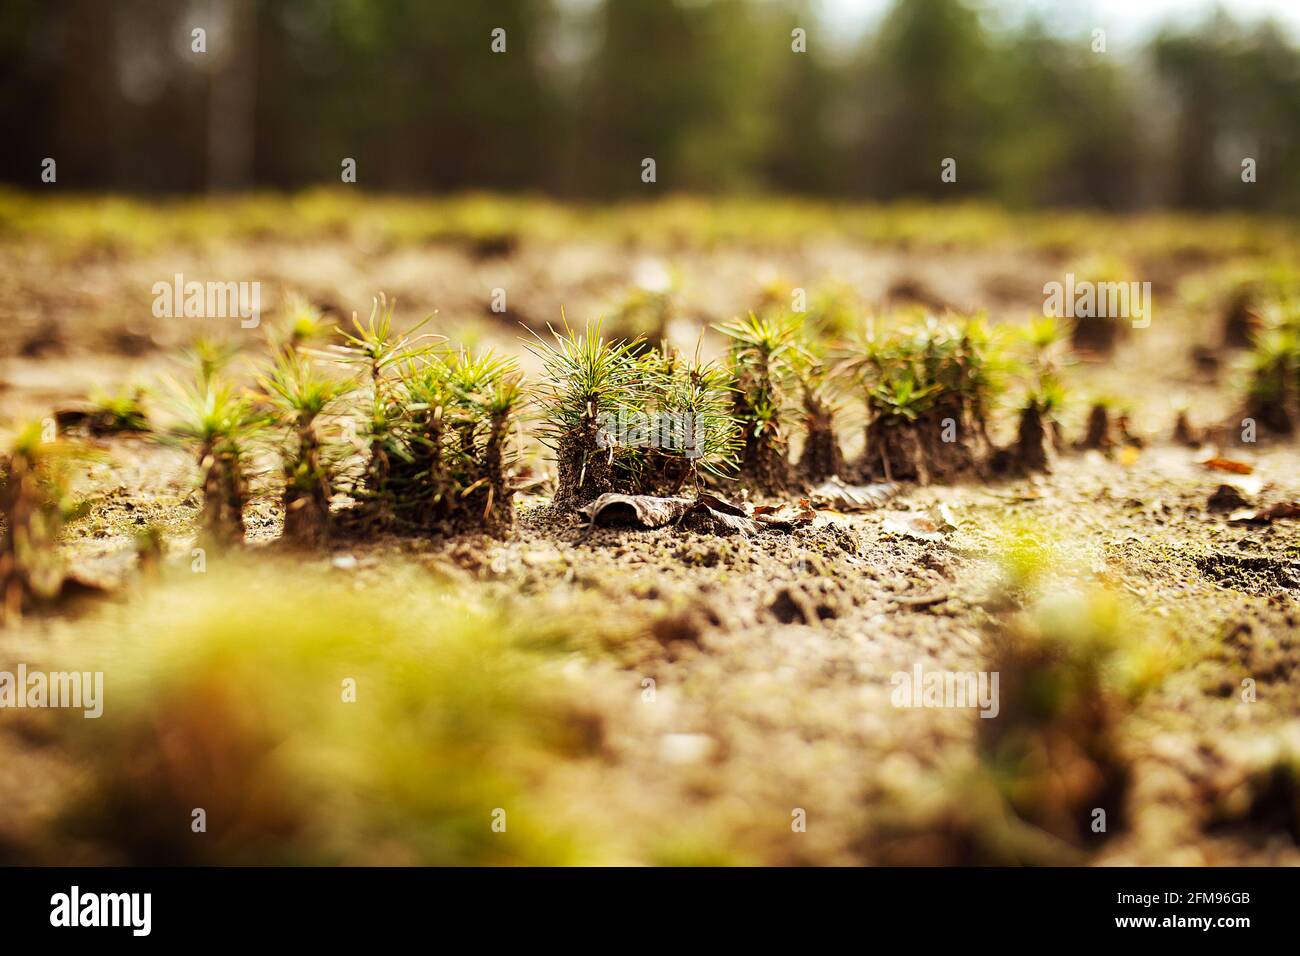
(1283, 509)
(1228, 464)
(714, 503)
(650, 511)
(615, 510)
(733, 516)
(917, 527)
(785, 517)
(836, 494)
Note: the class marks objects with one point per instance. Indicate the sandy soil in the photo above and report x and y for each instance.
(771, 655)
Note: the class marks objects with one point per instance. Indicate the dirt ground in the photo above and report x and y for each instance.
(770, 655)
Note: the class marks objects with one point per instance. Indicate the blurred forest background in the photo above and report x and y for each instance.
(710, 88)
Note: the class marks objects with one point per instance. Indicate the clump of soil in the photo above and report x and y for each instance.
(1226, 498)
(763, 462)
(1097, 334)
(903, 450)
(1241, 319)
(1253, 574)
(34, 483)
(820, 458)
(1260, 796)
(1097, 436)
(909, 290)
(1035, 448)
(225, 492)
(926, 394)
(1185, 433)
(1054, 742)
(584, 469)
(1104, 433)
(800, 605)
(1273, 390)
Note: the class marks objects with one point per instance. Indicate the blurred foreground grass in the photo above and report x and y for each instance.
(314, 721)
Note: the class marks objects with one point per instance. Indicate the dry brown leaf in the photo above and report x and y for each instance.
(917, 527)
(836, 494)
(784, 518)
(629, 510)
(1218, 463)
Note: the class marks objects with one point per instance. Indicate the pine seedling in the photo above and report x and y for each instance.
(108, 412)
(419, 487)
(118, 411)
(379, 437)
(34, 504)
(1091, 332)
(775, 296)
(1248, 294)
(901, 398)
(893, 449)
(376, 353)
(1038, 431)
(927, 388)
(217, 421)
(833, 311)
(488, 394)
(300, 394)
(761, 356)
(702, 399)
(208, 357)
(375, 349)
(444, 432)
(1273, 384)
(984, 364)
(472, 379)
(688, 433)
(302, 322)
(503, 405)
(586, 382)
(821, 457)
(646, 310)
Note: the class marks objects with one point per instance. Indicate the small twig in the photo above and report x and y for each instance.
(923, 600)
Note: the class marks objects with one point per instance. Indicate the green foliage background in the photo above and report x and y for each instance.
(588, 88)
